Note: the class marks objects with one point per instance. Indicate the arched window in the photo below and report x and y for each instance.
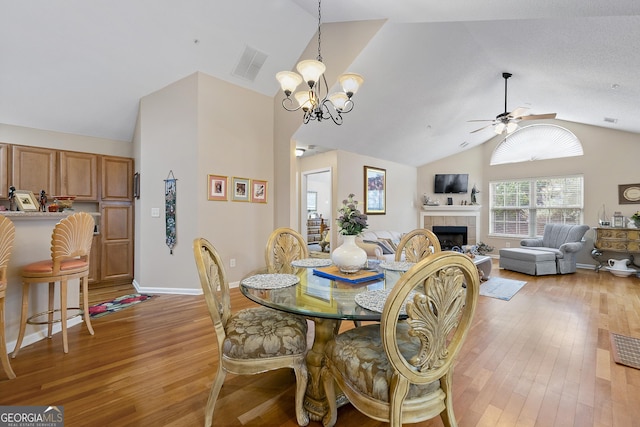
(536, 142)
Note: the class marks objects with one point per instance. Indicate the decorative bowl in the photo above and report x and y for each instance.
(64, 202)
(621, 273)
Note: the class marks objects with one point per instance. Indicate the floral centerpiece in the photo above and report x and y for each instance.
(636, 218)
(349, 257)
(351, 221)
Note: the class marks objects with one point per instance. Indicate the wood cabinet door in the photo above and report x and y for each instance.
(116, 229)
(117, 178)
(4, 171)
(79, 175)
(33, 169)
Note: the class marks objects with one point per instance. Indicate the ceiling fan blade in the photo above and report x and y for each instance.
(482, 128)
(539, 116)
(518, 112)
(480, 120)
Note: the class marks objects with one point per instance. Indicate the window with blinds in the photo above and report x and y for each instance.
(521, 208)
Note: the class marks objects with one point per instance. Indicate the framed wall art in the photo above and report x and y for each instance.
(628, 194)
(26, 201)
(240, 189)
(217, 187)
(375, 191)
(258, 191)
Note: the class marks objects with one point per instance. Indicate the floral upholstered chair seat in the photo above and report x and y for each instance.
(250, 341)
(254, 333)
(359, 354)
(401, 371)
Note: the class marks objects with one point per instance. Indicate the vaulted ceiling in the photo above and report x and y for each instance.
(81, 67)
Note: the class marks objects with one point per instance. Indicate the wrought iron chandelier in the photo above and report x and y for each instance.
(313, 103)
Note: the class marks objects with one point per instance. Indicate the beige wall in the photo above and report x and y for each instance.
(610, 158)
(64, 141)
(192, 127)
(348, 177)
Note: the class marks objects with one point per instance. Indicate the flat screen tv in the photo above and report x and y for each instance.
(447, 183)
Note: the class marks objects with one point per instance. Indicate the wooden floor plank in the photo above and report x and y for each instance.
(541, 359)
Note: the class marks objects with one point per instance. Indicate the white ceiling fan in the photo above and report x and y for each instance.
(508, 121)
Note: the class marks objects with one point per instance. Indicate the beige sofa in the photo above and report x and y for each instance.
(379, 244)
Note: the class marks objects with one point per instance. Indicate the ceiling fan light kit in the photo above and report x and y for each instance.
(316, 102)
(507, 122)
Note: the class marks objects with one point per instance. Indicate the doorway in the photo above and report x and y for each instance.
(316, 207)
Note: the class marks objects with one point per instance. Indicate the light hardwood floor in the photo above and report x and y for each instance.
(541, 359)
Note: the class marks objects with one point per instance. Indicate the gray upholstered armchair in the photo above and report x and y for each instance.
(563, 240)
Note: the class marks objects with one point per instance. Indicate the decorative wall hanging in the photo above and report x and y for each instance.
(170, 210)
(217, 185)
(628, 194)
(240, 189)
(258, 191)
(375, 191)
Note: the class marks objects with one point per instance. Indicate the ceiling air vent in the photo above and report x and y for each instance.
(610, 120)
(250, 63)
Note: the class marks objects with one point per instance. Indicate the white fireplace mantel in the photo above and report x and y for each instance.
(452, 208)
(455, 215)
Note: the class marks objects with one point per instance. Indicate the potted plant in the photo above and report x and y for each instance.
(349, 257)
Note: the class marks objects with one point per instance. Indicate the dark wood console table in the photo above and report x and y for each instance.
(624, 240)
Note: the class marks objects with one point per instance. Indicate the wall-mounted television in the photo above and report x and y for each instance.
(447, 183)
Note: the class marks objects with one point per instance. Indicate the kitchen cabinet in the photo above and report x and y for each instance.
(33, 169)
(4, 171)
(105, 181)
(117, 178)
(116, 228)
(78, 175)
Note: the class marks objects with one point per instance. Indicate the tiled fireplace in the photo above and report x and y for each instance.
(453, 216)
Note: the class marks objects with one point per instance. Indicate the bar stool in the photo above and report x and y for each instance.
(70, 248)
(7, 235)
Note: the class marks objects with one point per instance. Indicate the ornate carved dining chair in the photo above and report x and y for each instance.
(70, 248)
(401, 371)
(7, 236)
(284, 245)
(417, 244)
(253, 340)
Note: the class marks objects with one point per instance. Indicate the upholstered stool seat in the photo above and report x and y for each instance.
(528, 261)
(70, 248)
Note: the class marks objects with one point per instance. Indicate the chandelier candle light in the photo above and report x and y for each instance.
(315, 105)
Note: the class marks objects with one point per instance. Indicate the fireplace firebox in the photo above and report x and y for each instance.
(451, 237)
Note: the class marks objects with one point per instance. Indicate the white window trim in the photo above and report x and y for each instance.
(532, 208)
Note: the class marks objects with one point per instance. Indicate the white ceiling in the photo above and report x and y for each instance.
(81, 67)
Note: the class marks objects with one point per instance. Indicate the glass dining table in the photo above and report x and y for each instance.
(327, 303)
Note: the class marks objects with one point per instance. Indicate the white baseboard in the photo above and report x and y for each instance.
(174, 291)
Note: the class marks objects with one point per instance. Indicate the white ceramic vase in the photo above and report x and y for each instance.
(349, 257)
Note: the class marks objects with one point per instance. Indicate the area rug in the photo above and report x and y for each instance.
(500, 288)
(117, 304)
(625, 350)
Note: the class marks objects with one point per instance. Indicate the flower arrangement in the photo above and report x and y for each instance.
(351, 221)
(636, 218)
